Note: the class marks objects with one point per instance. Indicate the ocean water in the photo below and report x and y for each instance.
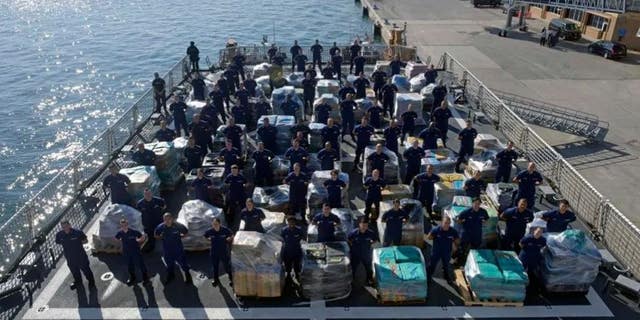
(68, 68)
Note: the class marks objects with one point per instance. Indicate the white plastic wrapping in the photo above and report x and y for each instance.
(257, 269)
(332, 101)
(417, 82)
(326, 270)
(502, 194)
(414, 68)
(401, 82)
(325, 86)
(295, 79)
(272, 198)
(279, 96)
(142, 177)
(341, 232)
(403, 100)
(109, 225)
(197, 216)
(260, 70)
(391, 167)
(167, 163)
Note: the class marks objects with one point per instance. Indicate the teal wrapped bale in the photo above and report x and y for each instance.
(490, 228)
(400, 274)
(496, 275)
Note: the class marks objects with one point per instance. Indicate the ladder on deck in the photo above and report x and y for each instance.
(556, 117)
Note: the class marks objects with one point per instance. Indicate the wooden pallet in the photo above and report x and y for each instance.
(470, 299)
(401, 303)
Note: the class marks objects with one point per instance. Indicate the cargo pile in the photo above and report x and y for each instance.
(109, 224)
(272, 198)
(403, 100)
(315, 138)
(142, 177)
(397, 191)
(279, 96)
(496, 275)
(283, 126)
(167, 163)
(502, 194)
(413, 230)
(257, 269)
(325, 86)
(400, 274)
(196, 216)
(391, 167)
(332, 100)
(326, 270)
(317, 193)
(450, 185)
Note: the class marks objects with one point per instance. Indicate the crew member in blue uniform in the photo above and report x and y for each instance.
(298, 182)
(234, 133)
(250, 84)
(295, 50)
(467, 141)
(373, 185)
(331, 133)
(379, 78)
(263, 159)
(178, 110)
(317, 49)
(267, 134)
(238, 62)
(431, 75)
(430, 137)
(334, 189)
(242, 95)
(230, 156)
(289, 107)
(327, 72)
(159, 93)
(297, 154)
(334, 49)
(151, 208)
(291, 249)
(308, 91)
(394, 218)
(355, 51)
(209, 114)
(413, 155)
(328, 156)
(221, 238)
(527, 181)
(262, 108)
(117, 184)
(441, 117)
(361, 84)
(336, 62)
(396, 64)
(344, 92)
(240, 114)
(144, 157)
(301, 62)
(359, 62)
(424, 189)
(378, 159)
(171, 234)
(471, 221)
(375, 114)
(194, 56)
(408, 122)
(194, 154)
(302, 127)
(439, 93)
(235, 196)
(445, 241)
(323, 110)
(531, 251)
(217, 96)
(252, 217)
(310, 71)
(72, 241)
(198, 87)
(131, 240)
(326, 223)
(474, 185)
(505, 159)
(201, 133)
(516, 220)
(558, 220)
(388, 96)
(272, 53)
(360, 241)
(391, 135)
(363, 133)
(165, 134)
(232, 80)
(201, 186)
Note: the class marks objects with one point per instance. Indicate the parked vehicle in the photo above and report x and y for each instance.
(608, 49)
(568, 30)
(492, 3)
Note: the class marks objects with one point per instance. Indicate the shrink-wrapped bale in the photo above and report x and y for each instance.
(462, 201)
(502, 194)
(109, 225)
(280, 168)
(403, 100)
(396, 191)
(488, 142)
(261, 69)
(490, 228)
(439, 164)
(142, 177)
(257, 269)
(215, 175)
(383, 65)
(413, 230)
(427, 94)
(400, 274)
(453, 212)
(272, 224)
(391, 167)
(415, 68)
(219, 139)
(417, 83)
(264, 84)
(537, 222)
(571, 262)
(167, 163)
(341, 231)
(496, 275)
(326, 270)
(401, 82)
(315, 138)
(450, 185)
(180, 143)
(324, 86)
(362, 106)
(295, 79)
(333, 102)
(272, 198)
(197, 216)
(283, 125)
(317, 194)
(279, 96)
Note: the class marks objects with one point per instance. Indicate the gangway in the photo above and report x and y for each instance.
(555, 117)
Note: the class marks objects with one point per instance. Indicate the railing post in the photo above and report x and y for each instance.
(169, 81)
(30, 216)
(479, 96)
(524, 140)
(134, 120)
(110, 142)
(75, 175)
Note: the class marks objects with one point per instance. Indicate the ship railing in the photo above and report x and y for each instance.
(619, 234)
(76, 189)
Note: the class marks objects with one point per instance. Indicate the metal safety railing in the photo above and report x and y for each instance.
(67, 192)
(620, 235)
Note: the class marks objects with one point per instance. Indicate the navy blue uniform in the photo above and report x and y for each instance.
(178, 110)
(240, 114)
(531, 255)
(374, 195)
(361, 85)
(201, 189)
(77, 260)
(301, 61)
(441, 251)
(230, 157)
(209, 115)
(430, 76)
(297, 156)
(233, 82)
(234, 133)
(327, 158)
(327, 72)
(558, 222)
(194, 57)
(391, 135)
(295, 51)
(425, 189)
(194, 156)
(467, 136)
(379, 78)
(527, 186)
(473, 187)
(441, 118)
(472, 226)
(173, 251)
(395, 66)
(198, 89)
(309, 92)
(317, 55)
(251, 86)
(235, 197)
(375, 116)
(151, 217)
(348, 118)
(297, 192)
(505, 160)
(253, 219)
(355, 51)
(217, 99)
(361, 252)
(378, 161)
(201, 134)
(393, 231)
(264, 173)
(359, 63)
(144, 158)
(165, 135)
(117, 184)
(344, 91)
(326, 226)
(363, 138)
(291, 249)
(336, 62)
(220, 250)
(334, 192)
(262, 109)
(387, 95)
(131, 251)
(516, 226)
(429, 138)
(408, 123)
(268, 136)
(322, 113)
(439, 93)
(289, 108)
(414, 158)
(243, 97)
(331, 134)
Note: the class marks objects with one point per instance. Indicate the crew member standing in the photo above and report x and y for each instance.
(396, 64)
(439, 93)
(194, 56)
(72, 241)
(391, 135)
(531, 252)
(344, 92)
(336, 61)
(326, 223)
(348, 118)
(234, 133)
(298, 182)
(374, 186)
(291, 249)
(297, 154)
(471, 221)
(474, 185)
(171, 234)
(377, 160)
(323, 110)
(359, 61)
(230, 156)
(328, 156)
(430, 137)
(117, 184)
(151, 208)
(360, 241)
(131, 241)
(331, 133)
(445, 241)
(361, 84)
(159, 93)
(408, 122)
(198, 86)
(355, 52)
(424, 189)
(263, 159)
(516, 219)
(252, 217)
(194, 154)
(441, 117)
(505, 159)
(267, 134)
(334, 49)
(309, 92)
(527, 181)
(317, 49)
(295, 50)
(201, 186)
(413, 155)
(467, 140)
(379, 78)
(235, 183)
(558, 220)
(334, 189)
(375, 114)
(144, 157)
(178, 109)
(165, 134)
(201, 133)
(388, 96)
(221, 238)
(394, 219)
(363, 134)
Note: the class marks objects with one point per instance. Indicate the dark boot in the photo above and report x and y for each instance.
(170, 277)
(145, 279)
(187, 278)
(132, 279)
(215, 282)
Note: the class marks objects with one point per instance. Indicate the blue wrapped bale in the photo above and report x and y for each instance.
(496, 275)
(400, 274)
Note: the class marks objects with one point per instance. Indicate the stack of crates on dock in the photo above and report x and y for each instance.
(326, 270)
(391, 167)
(257, 269)
(167, 163)
(496, 275)
(142, 177)
(197, 216)
(400, 274)
(109, 225)
(571, 262)
(413, 230)
(317, 193)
